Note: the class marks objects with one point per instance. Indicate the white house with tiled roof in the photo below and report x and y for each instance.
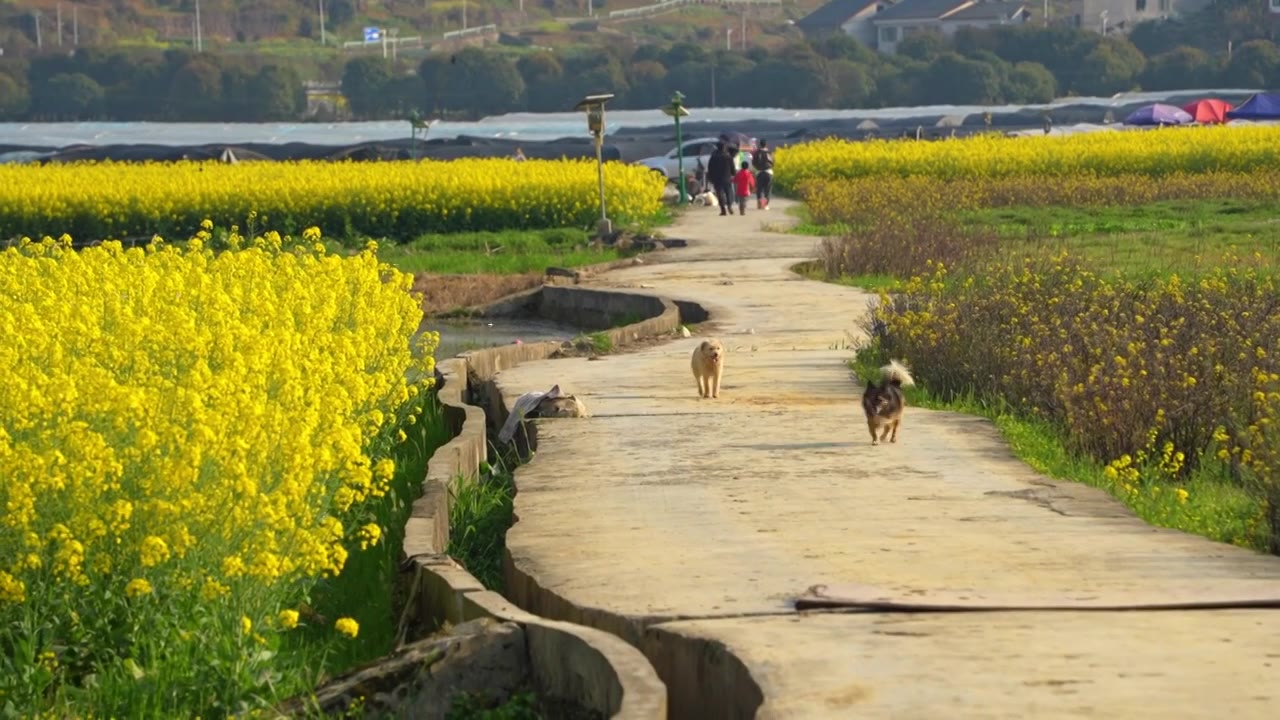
(883, 24)
(851, 17)
(900, 21)
(1119, 16)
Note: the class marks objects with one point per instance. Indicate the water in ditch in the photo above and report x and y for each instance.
(461, 335)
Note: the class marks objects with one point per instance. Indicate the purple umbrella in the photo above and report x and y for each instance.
(735, 139)
(1159, 114)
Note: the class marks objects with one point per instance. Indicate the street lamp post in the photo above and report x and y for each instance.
(594, 107)
(418, 125)
(676, 110)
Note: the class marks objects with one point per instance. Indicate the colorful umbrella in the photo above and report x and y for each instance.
(1158, 114)
(1209, 110)
(735, 139)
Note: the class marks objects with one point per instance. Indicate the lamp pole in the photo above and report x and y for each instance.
(676, 110)
(676, 104)
(415, 123)
(594, 106)
(604, 216)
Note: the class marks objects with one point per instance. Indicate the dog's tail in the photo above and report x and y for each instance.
(897, 374)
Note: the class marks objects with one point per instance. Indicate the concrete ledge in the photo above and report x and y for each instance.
(419, 680)
(525, 591)
(588, 667)
(568, 658)
(593, 310)
(696, 670)
(427, 530)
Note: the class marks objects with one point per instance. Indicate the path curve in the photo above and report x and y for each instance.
(688, 527)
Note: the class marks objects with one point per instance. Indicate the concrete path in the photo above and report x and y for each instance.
(689, 526)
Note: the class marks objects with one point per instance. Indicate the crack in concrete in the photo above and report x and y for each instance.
(1031, 495)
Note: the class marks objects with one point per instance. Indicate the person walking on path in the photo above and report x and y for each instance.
(762, 161)
(744, 182)
(720, 175)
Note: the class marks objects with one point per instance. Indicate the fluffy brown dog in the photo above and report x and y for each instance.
(708, 367)
(884, 404)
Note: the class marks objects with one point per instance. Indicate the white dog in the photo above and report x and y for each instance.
(708, 367)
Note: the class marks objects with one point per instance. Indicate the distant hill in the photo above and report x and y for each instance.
(294, 26)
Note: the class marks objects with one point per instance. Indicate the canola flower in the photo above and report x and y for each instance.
(1146, 153)
(347, 627)
(187, 442)
(95, 201)
(1255, 448)
(288, 619)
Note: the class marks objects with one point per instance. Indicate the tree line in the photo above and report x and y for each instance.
(1013, 65)
(146, 84)
(999, 65)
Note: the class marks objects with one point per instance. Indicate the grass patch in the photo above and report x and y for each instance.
(597, 342)
(806, 225)
(1213, 505)
(368, 589)
(469, 263)
(511, 252)
(1184, 236)
(475, 706)
(664, 216)
(868, 282)
(505, 253)
(479, 516)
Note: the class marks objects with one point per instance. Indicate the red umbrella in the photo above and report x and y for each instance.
(1210, 110)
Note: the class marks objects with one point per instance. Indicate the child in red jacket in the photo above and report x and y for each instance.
(744, 183)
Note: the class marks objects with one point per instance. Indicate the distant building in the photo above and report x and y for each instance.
(883, 24)
(851, 17)
(908, 17)
(1119, 16)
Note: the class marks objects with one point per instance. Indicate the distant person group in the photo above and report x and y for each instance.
(733, 182)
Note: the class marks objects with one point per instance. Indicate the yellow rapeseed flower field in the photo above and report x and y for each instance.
(1148, 153)
(94, 201)
(187, 440)
(906, 200)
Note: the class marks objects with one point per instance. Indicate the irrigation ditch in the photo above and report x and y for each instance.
(466, 648)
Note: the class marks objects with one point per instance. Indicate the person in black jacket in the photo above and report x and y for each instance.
(720, 175)
(762, 161)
